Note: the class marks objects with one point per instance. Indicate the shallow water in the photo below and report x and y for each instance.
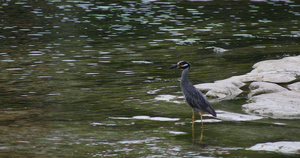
(80, 78)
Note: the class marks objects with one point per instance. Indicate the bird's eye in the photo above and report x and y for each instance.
(179, 63)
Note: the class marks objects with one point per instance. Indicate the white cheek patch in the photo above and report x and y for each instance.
(185, 65)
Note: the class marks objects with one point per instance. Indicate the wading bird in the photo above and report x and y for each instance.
(193, 96)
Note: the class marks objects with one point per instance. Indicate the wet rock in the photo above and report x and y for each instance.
(284, 104)
(275, 71)
(145, 117)
(266, 97)
(285, 147)
(168, 98)
(231, 116)
(294, 86)
(274, 77)
(222, 89)
(285, 65)
(257, 88)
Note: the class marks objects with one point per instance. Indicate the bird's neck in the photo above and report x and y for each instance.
(184, 76)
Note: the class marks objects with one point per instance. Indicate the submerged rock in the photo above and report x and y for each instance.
(168, 98)
(285, 147)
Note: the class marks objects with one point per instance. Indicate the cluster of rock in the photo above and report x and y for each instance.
(267, 97)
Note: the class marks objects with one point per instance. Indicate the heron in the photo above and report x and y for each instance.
(193, 97)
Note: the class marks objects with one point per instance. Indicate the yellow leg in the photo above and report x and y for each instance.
(201, 137)
(201, 119)
(193, 118)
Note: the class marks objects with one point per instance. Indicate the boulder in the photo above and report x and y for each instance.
(284, 104)
(266, 97)
(294, 86)
(284, 147)
(222, 90)
(257, 88)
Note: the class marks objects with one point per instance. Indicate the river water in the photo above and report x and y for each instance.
(80, 78)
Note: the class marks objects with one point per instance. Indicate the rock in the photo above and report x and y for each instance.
(168, 98)
(145, 117)
(284, 104)
(285, 147)
(257, 88)
(294, 86)
(231, 116)
(287, 64)
(272, 100)
(275, 77)
(276, 71)
(223, 89)
(266, 97)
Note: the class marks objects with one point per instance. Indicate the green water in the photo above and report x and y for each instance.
(69, 68)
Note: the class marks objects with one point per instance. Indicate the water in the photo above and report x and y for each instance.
(80, 78)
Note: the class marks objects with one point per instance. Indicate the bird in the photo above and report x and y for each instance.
(193, 97)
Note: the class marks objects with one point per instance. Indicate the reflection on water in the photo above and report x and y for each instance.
(71, 71)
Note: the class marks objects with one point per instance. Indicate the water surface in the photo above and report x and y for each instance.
(79, 78)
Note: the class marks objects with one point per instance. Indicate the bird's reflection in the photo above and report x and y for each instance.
(193, 133)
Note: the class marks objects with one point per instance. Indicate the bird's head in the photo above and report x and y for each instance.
(181, 65)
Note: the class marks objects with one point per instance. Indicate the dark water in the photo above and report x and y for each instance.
(75, 75)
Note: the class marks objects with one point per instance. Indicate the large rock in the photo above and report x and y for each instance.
(285, 65)
(285, 104)
(266, 97)
(285, 147)
(222, 90)
(257, 88)
(294, 86)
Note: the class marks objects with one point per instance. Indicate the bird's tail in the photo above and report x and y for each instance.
(210, 110)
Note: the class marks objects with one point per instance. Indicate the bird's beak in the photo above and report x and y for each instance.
(173, 66)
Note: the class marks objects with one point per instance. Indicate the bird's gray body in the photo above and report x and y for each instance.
(193, 96)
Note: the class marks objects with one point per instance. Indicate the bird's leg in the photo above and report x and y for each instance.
(201, 137)
(201, 119)
(193, 118)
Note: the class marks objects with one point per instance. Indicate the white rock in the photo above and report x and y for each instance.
(145, 117)
(287, 64)
(294, 86)
(257, 88)
(231, 116)
(285, 104)
(209, 120)
(285, 147)
(276, 71)
(275, 77)
(222, 89)
(266, 97)
(168, 98)
(177, 132)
